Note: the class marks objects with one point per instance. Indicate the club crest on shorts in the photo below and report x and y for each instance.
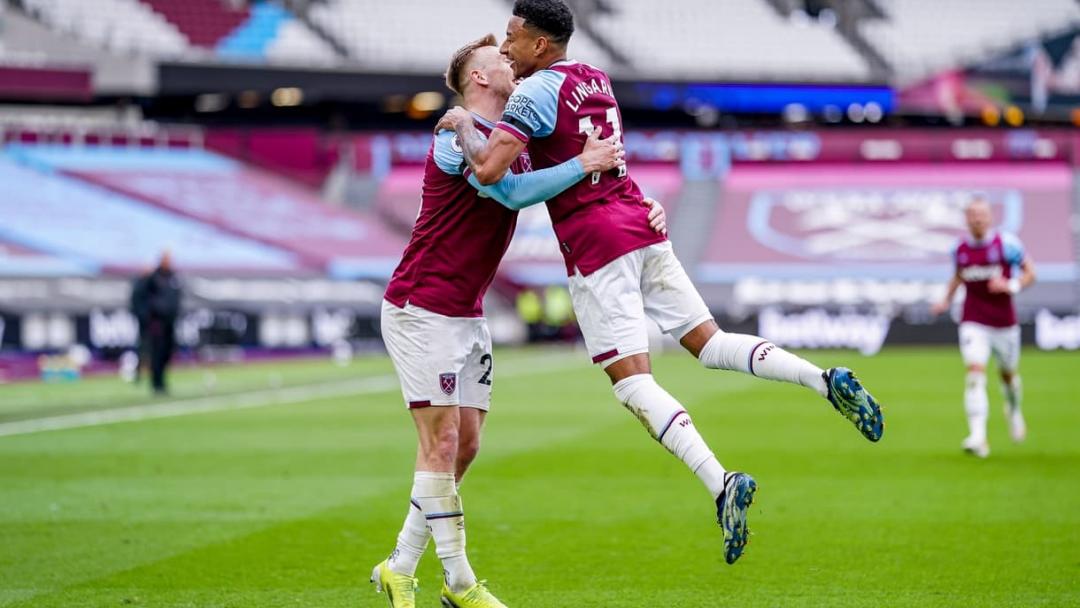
(448, 383)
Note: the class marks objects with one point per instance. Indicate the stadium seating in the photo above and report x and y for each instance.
(187, 29)
(420, 35)
(204, 22)
(119, 25)
(294, 42)
(725, 40)
(229, 198)
(17, 261)
(922, 36)
(99, 229)
(641, 38)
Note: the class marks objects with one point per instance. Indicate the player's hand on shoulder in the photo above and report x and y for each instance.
(657, 215)
(453, 118)
(601, 154)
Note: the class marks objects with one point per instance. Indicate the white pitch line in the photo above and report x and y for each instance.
(241, 401)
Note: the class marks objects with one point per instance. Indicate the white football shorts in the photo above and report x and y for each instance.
(613, 303)
(977, 341)
(439, 360)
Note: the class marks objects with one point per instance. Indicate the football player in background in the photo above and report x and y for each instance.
(993, 267)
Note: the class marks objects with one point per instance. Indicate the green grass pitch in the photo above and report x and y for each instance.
(570, 503)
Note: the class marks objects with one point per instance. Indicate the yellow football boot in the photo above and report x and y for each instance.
(400, 589)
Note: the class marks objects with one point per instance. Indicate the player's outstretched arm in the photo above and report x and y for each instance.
(518, 191)
(489, 158)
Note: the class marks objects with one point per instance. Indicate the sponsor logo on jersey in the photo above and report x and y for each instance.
(521, 107)
(972, 274)
(448, 383)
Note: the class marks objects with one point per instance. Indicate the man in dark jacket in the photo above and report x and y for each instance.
(155, 299)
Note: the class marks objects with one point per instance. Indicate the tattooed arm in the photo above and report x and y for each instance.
(488, 157)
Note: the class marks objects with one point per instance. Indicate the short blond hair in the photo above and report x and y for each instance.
(456, 79)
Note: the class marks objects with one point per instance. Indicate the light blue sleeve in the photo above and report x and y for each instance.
(1013, 249)
(534, 107)
(520, 190)
(448, 154)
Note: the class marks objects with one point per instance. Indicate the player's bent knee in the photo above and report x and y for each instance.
(633, 365)
(648, 401)
(976, 379)
(696, 339)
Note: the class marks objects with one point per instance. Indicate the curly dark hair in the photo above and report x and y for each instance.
(552, 17)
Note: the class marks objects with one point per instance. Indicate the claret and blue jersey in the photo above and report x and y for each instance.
(461, 234)
(997, 255)
(601, 217)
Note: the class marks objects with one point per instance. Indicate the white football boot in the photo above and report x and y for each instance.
(1017, 426)
(976, 447)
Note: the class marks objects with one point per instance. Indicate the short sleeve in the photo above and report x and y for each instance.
(1013, 249)
(448, 154)
(533, 108)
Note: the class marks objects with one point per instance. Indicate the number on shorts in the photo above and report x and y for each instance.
(585, 125)
(486, 378)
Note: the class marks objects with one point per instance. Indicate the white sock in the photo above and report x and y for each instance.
(438, 499)
(761, 358)
(412, 541)
(976, 405)
(668, 423)
(1013, 393)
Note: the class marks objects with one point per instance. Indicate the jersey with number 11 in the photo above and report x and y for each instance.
(601, 217)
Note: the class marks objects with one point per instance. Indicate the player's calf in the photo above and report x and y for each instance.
(976, 406)
(1012, 391)
(668, 423)
(758, 357)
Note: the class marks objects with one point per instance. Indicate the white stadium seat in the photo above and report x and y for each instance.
(920, 37)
